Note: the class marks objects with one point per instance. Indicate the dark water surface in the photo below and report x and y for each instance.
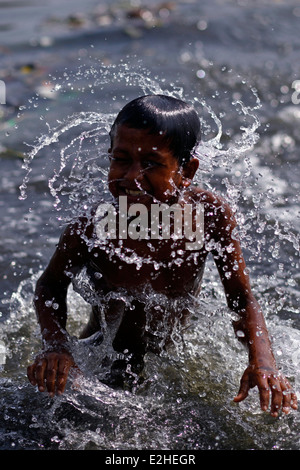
(68, 68)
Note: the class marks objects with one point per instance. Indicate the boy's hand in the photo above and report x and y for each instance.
(268, 381)
(50, 371)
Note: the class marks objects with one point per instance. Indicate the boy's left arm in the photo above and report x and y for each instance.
(250, 328)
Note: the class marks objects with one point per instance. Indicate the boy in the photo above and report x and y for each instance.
(152, 164)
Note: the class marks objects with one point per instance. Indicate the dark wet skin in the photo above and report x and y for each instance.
(155, 176)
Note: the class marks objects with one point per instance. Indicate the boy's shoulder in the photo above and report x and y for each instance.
(209, 199)
(217, 210)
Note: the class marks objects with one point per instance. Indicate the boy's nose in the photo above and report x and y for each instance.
(134, 172)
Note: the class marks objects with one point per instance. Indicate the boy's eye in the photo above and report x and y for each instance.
(151, 164)
(146, 164)
(118, 159)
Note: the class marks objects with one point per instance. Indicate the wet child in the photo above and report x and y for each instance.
(152, 166)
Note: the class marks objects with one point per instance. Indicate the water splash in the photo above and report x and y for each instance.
(186, 400)
(77, 172)
(79, 166)
(80, 171)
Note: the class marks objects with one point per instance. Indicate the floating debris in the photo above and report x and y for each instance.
(10, 153)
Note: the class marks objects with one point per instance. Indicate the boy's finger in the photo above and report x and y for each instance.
(62, 375)
(264, 395)
(294, 401)
(277, 398)
(31, 374)
(243, 391)
(286, 396)
(40, 374)
(289, 398)
(51, 374)
(240, 396)
(286, 402)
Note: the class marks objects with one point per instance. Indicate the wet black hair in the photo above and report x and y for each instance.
(174, 119)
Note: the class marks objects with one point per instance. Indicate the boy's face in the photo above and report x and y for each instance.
(143, 168)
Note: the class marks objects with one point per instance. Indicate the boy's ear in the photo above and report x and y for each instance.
(188, 171)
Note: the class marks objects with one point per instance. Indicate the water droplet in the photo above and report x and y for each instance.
(240, 334)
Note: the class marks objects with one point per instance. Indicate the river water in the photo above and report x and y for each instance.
(68, 68)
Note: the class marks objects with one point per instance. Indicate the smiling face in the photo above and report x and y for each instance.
(143, 168)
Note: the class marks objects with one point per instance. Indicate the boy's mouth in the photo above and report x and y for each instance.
(134, 192)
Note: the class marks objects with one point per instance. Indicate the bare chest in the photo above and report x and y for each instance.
(167, 266)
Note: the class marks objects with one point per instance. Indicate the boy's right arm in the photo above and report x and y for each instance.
(51, 367)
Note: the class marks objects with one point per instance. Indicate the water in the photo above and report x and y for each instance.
(67, 75)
